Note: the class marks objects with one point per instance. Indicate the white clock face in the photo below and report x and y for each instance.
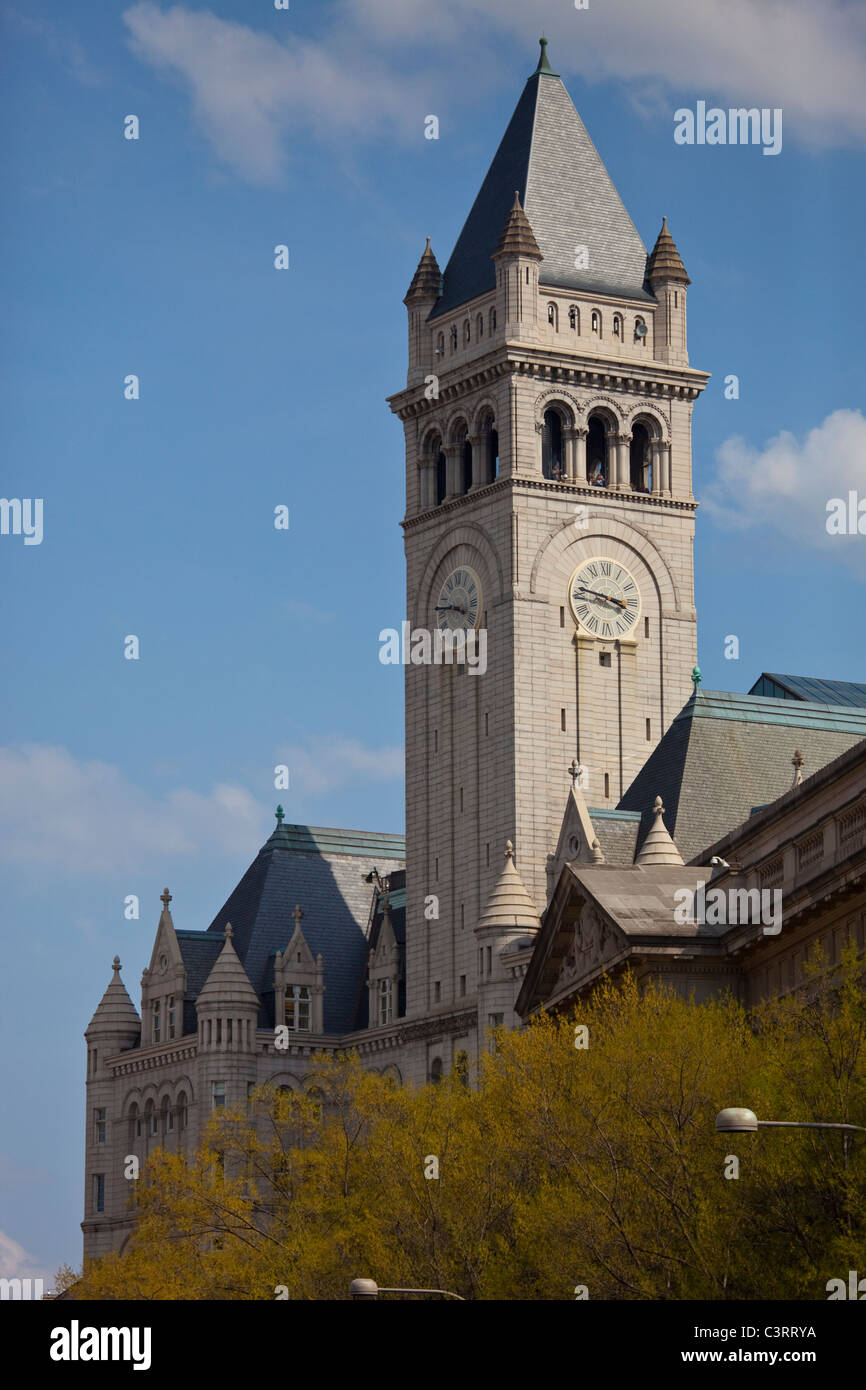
(605, 598)
(459, 603)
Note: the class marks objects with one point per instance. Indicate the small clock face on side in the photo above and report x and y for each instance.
(459, 602)
(605, 598)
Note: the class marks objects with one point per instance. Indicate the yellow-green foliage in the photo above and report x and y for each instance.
(558, 1166)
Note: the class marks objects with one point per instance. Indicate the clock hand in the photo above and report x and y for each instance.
(609, 598)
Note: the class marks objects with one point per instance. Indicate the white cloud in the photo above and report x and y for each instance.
(787, 484)
(16, 1263)
(251, 91)
(326, 763)
(375, 73)
(87, 817)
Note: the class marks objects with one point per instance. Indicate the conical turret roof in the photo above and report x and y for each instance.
(509, 905)
(116, 1014)
(518, 238)
(227, 985)
(665, 262)
(658, 847)
(427, 280)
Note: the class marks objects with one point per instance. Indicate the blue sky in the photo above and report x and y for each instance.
(261, 388)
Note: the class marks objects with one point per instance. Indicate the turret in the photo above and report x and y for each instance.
(420, 297)
(510, 915)
(667, 278)
(517, 259)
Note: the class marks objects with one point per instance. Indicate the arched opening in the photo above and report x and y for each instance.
(453, 336)
(441, 476)
(617, 326)
(640, 464)
(595, 323)
(492, 320)
(489, 450)
(182, 1110)
(597, 460)
(436, 1071)
(134, 1123)
(467, 331)
(479, 326)
(440, 345)
(164, 1114)
(640, 331)
(552, 461)
(460, 438)
(553, 316)
(574, 318)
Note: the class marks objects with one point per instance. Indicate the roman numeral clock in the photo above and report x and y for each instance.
(605, 598)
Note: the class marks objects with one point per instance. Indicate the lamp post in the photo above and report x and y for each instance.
(736, 1120)
(368, 1288)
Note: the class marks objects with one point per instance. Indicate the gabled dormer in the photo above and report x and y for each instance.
(383, 978)
(577, 843)
(163, 984)
(299, 984)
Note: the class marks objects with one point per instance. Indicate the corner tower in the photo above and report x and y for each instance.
(547, 418)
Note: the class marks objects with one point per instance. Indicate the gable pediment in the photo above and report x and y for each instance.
(577, 843)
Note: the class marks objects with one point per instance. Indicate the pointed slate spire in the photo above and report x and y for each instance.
(665, 262)
(547, 154)
(509, 904)
(517, 237)
(658, 847)
(227, 986)
(427, 280)
(116, 1017)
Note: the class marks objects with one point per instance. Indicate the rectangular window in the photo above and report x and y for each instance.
(486, 724)
(219, 1030)
(156, 1020)
(153, 1123)
(604, 658)
(462, 916)
(606, 785)
(437, 991)
(487, 852)
(489, 959)
(251, 1086)
(99, 1123)
(562, 720)
(437, 869)
(648, 734)
(495, 1020)
(646, 627)
(99, 1192)
(218, 1095)
(462, 984)
(172, 1016)
(384, 1011)
(461, 798)
(298, 1007)
(435, 740)
(562, 617)
(169, 1120)
(228, 1030)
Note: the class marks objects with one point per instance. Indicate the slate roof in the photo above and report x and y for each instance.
(323, 870)
(547, 157)
(617, 834)
(642, 900)
(726, 753)
(811, 688)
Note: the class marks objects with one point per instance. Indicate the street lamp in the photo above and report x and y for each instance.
(368, 1288)
(736, 1120)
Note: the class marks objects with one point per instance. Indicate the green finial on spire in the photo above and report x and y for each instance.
(697, 678)
(543, 64)
(280, 814)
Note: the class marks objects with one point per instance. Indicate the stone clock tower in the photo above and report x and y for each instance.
(547, 416)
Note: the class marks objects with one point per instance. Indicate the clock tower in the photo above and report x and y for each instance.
(547, 417)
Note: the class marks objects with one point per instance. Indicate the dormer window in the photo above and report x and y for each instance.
(297, 1008)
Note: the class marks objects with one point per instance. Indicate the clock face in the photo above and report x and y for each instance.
(605, 598)
(459, 603)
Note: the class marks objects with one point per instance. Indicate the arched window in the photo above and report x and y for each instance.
(436, 1071)
(467, 332)
(440, 345)
(297, 1008)
(492, 321)
(441, 477)
(164, 1125)
(640, 466)
(134, 1123)
(182, 1110)
(574, 318)
(552, 461)
(596, 323)
(454, 337)
(553, 317)
(640, 333)
(596, 453)
(489, 450)
(150, 1119)
(617, 326)
(479, 326)
(461, 1067)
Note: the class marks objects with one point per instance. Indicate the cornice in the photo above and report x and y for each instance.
(566, 490)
